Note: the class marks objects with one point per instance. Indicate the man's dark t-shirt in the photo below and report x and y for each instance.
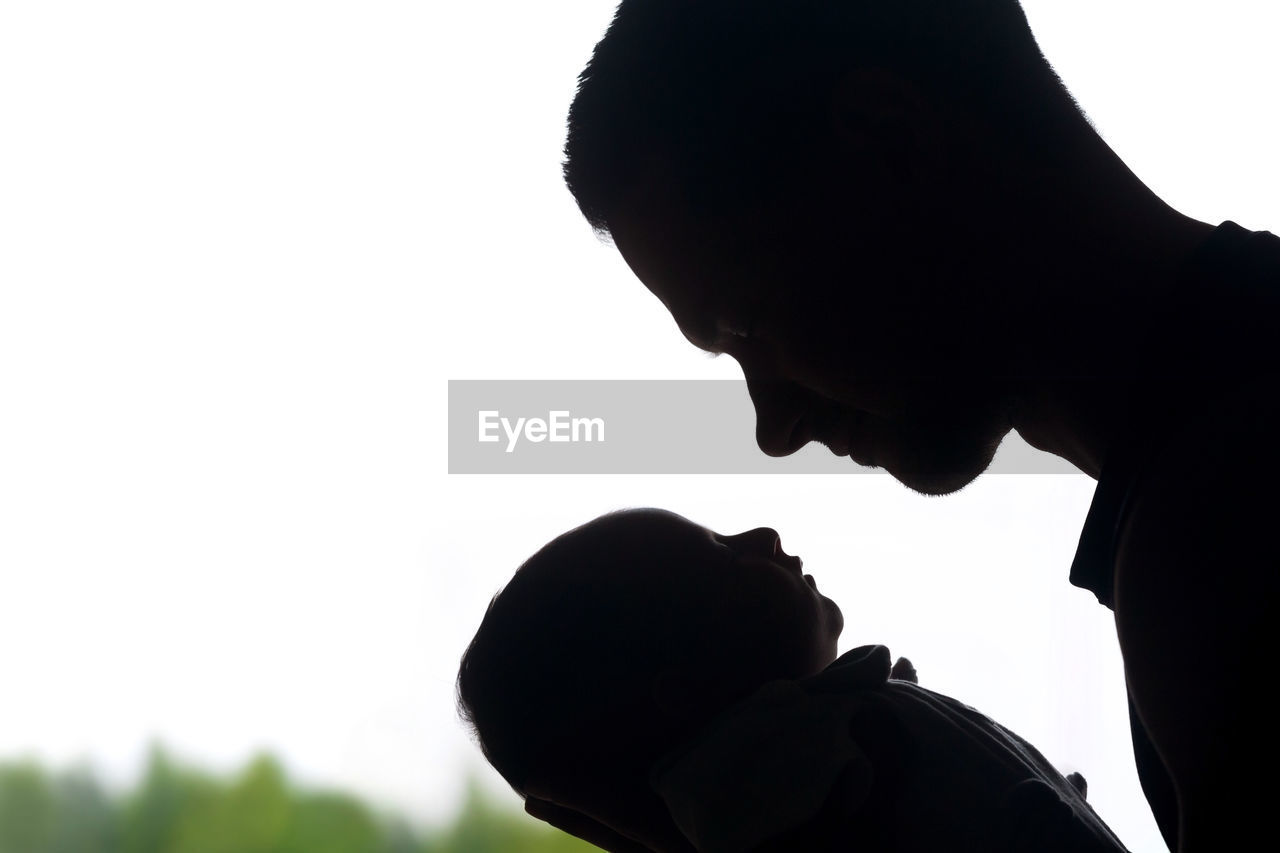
(1214, 339)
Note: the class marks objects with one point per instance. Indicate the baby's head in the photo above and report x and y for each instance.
(621, 637)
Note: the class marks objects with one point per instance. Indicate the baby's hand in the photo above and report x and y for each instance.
(1078, 782)
(904, 671)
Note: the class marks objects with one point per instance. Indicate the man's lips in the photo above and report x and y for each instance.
(847, 436)
(865, 459)
(832, 426)
(844, 447)
(839, 448)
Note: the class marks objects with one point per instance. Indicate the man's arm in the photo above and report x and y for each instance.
(1196, 590)
(582, 826)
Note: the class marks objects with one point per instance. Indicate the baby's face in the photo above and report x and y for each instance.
(755, 603)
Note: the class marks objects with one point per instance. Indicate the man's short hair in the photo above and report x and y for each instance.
(727, 93)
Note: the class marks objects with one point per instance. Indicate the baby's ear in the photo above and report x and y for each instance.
(904, 671)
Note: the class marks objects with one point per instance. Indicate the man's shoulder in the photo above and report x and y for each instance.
(1218, 463)
(1213, 486)
(1211, 456)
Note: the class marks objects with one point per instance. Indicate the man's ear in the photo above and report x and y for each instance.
(884, 127)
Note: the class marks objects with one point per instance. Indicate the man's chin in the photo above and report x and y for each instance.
(934, 485)
(936, 473)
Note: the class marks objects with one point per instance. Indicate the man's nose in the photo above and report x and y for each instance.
(780, 410)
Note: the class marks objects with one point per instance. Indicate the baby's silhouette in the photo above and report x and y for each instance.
(648, 684)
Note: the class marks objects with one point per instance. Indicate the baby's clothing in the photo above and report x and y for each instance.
(940, 776)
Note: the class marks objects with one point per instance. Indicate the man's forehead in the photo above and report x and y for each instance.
(669, 250)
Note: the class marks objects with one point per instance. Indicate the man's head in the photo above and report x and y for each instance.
(622, 636)
(732, 96)
(844, 197)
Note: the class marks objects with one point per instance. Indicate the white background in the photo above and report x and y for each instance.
(243, 245)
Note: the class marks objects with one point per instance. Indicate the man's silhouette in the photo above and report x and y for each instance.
(899, 223)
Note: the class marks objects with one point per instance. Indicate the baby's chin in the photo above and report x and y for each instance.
(835, 623)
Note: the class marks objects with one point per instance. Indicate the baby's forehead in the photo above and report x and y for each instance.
(648, 533)
(628, 543)
(659, 526)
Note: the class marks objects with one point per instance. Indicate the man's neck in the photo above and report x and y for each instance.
(1078, 421)
(1124, 251)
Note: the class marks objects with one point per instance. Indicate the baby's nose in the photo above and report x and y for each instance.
(762, 540)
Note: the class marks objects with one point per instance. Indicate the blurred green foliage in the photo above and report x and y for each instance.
(176, 809)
